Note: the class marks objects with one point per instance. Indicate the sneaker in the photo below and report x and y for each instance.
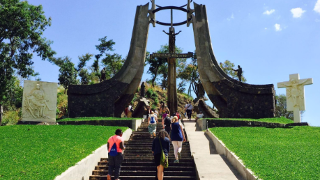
(108, 177)
(176, 161)
(179, 155)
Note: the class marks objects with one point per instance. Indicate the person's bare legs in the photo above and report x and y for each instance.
(160, 172)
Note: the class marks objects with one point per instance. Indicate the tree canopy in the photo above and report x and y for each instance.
(69, 73)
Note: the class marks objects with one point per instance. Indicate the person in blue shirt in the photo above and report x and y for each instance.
(156, 150)
(177, 137)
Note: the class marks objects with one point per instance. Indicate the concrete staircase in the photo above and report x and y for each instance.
(138, 161)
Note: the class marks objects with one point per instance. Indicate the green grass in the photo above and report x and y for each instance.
(276, 153)
(43, 152)
(95, 118)
(281, 120)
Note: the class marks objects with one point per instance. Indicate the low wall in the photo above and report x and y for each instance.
(133, 124)
(202, 123)
(83, 169)
(247, 174)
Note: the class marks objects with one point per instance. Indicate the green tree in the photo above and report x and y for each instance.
(190, 74)
(281, 107)
(228, 67)
(21, 29)
(67, 72)
(112, 62)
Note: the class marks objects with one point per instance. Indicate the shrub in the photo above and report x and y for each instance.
(151, 94)
(11, 117)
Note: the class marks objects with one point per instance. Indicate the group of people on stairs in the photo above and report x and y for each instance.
(172, 132)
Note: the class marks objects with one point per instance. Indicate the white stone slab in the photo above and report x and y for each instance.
(39, 101)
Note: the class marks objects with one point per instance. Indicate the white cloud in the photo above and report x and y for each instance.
(269, 12)
(277, 27)
(297, 12)
(230, 18)
(317, 7)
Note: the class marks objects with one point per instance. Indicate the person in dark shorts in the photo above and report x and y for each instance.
(156, 150)
(188, 109)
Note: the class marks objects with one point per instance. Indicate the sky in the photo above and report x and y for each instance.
(269, 39)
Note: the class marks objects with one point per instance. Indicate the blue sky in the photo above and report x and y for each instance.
(269, 39)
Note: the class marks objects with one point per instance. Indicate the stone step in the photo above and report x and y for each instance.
(172, 167)
(150, 147)
(138, 163)
(184, 160)
(146, 173)
(147, 163)
(97, 177)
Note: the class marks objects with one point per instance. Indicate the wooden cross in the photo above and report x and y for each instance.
(295, 94)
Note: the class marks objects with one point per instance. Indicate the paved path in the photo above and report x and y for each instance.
(210, 165)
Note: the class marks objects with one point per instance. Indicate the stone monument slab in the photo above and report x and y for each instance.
(39, 101)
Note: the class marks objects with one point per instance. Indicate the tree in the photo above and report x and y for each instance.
(68, 72)
(190, 74)
(21, 29)
(112, 62)
(228, 67)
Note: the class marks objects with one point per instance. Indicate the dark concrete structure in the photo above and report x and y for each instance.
(231, 97)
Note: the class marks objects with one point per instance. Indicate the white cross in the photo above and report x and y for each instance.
(295, 94)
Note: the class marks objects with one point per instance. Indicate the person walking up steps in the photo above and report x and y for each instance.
(166, 123)
(177, 137)
(156, 150)
(164, 110)
(188, 109)
(115, 147)
(152, 124)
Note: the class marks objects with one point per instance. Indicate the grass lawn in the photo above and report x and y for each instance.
(43, 152)
(275, 153)
(95, 118)
(281, 120)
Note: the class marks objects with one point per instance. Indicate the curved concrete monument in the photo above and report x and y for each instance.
(232, 98)
(110, 97)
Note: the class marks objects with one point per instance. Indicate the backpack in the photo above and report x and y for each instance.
(152, 120)
(113, 150)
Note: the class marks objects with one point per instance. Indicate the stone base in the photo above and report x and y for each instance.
(97, 100)
(239, 100)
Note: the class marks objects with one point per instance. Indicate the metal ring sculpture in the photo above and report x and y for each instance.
(171, 7)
